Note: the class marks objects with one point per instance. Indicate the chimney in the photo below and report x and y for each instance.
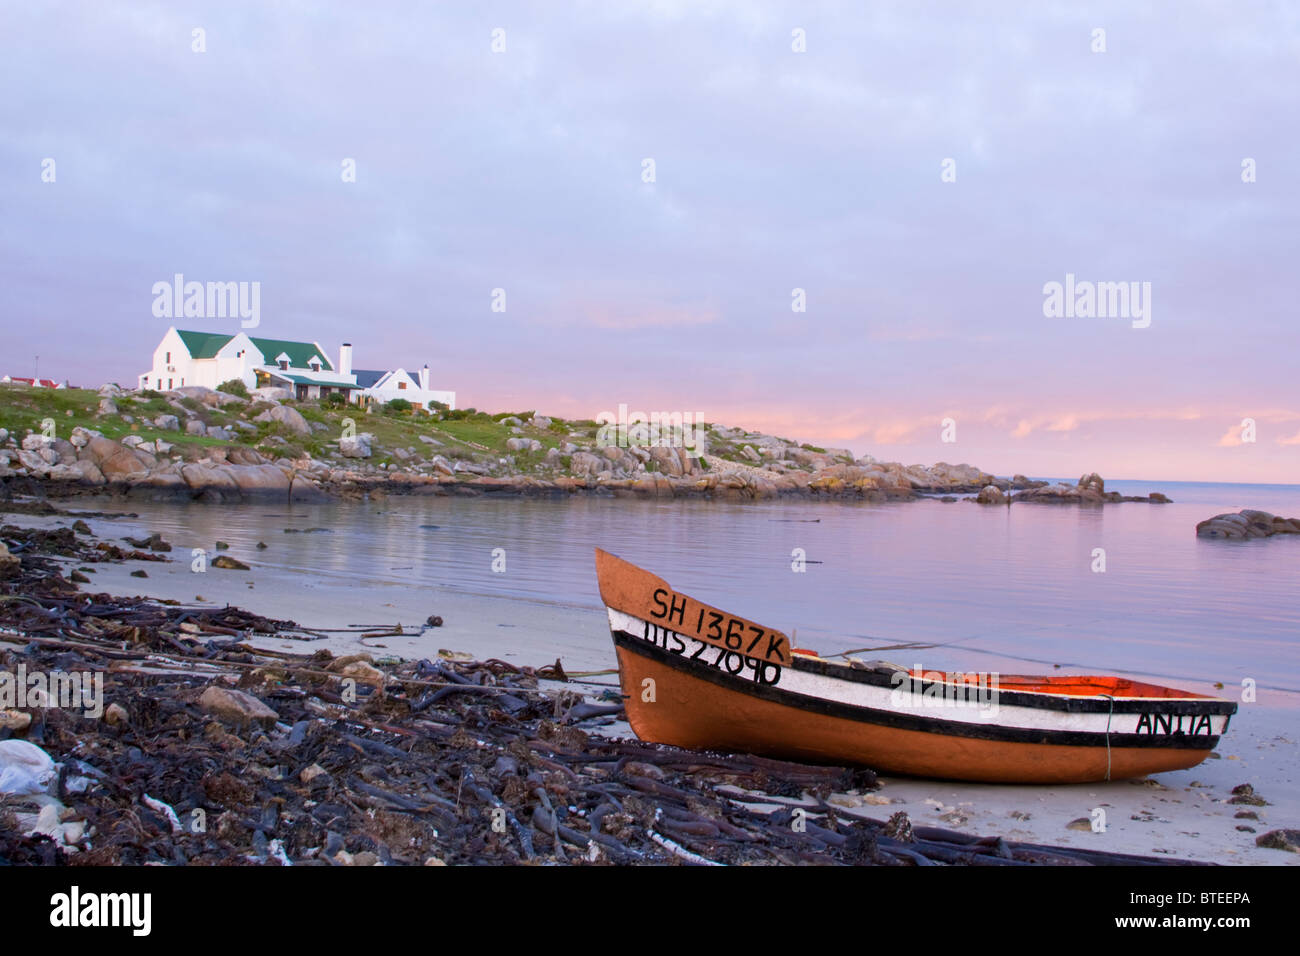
(345, 358)
(424, 377)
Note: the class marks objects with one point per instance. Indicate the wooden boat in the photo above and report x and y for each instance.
(699, 677)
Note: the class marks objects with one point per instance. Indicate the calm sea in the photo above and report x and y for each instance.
(990, 588)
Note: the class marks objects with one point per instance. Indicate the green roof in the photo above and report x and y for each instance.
(304, 380)
(299, 352)
(203, 345)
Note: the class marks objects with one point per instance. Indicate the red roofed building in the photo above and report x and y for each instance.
(34, 382)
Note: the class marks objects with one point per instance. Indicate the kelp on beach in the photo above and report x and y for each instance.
(212, 751)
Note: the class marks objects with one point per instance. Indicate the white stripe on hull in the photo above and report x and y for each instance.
(965, 703)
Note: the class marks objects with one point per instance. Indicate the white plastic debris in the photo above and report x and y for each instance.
(24, 768)
(159, 807)
(49, 822)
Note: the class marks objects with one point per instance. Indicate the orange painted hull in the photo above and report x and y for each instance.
(699, 677)
(688, 712)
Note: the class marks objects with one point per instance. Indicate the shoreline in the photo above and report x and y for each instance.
(1184, 814)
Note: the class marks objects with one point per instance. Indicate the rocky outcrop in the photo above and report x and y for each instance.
(1247, 524)
(208, 396)
(114, 461)
(1091, 490)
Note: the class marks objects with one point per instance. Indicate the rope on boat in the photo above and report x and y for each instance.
(1108, 717)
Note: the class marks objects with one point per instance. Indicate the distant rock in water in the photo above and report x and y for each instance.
(1091, 489)
(1247, 524)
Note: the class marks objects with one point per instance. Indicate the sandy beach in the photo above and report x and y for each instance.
(1183, 814)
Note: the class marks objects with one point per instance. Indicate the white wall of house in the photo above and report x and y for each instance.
(171, 363)
(173, 366)
(401, 384)
(236, 359)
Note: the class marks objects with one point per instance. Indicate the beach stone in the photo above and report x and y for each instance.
(168, 423)
(195, 427)
(899, 827)
(365, 672)
(15, 721)
(236, 707)
(312, 772)
(1280, 840)
(1245, 794)
(107, 406)
(229, 563)
(523, 444)
(991, 495)
(9, 565)
(290, 418)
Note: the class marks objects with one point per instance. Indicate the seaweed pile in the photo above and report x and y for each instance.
(211, 750)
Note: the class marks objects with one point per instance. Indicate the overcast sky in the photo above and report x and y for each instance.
(774, 170)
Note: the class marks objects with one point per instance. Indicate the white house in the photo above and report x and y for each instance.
(210, 358)
(380, 386)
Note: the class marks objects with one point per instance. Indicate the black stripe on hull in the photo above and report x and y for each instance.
(901, 721)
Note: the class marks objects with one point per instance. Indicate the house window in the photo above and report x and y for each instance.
(315, 366)
(284, 365)
(169, 384)
(401, 385)
(169, 359)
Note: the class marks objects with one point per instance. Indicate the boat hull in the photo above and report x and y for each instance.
(692, 677)
(687, 707)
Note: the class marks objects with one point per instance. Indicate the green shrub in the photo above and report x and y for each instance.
(234, 386)
(398, 406)
(436, 406)
(334, 400)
